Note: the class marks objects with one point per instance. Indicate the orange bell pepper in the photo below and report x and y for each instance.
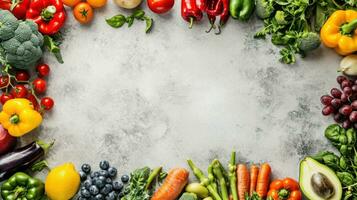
(286, 189)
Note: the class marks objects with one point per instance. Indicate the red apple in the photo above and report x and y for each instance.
(7, 142)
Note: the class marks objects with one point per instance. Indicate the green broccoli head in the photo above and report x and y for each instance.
(309, 41)
(20, 41)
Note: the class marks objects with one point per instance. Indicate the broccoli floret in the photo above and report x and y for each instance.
(309, 41)
(20, 41)
(264, 8)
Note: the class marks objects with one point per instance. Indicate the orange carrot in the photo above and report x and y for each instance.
(263, 180)
(242, 180)
(254, 170)
(173, 185)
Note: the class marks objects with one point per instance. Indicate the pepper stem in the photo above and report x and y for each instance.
(191, 23)
(14, 119)
(349, 27)
(283, 194)
(45, 146)
(47, 13)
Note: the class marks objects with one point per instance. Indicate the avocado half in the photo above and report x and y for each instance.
(310, 169)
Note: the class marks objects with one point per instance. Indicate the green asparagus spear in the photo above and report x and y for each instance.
(204, 180)
(233, 176)
(152, 176)
(217, 171)
(211, 177)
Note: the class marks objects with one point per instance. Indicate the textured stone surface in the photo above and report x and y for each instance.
(174, 94)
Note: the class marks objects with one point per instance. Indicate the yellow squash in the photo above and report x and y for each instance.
(62, 182)
(19, 117)
(339, 32)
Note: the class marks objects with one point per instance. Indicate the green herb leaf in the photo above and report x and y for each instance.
(149, 23)
(116, 21)
(346, 178)
(53, 47)
(130, 21)
(138, 14)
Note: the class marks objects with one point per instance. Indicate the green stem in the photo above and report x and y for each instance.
(349, 27)
(45, 146)
(39, 166)
(19, 191)
(283, 194)
(217, 171)
(204, 180)
(152, 176)
(211, 177)
(191, 23)
(48, 13)
(233, 176)
(14, 119)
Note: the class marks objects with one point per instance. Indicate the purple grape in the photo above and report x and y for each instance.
(344, 98)
(354, 88)
(353, 116)
(326, 100)
(338, 118)
(347, 91)
(327, 110)
(345, 110)
(336, 103)
(346, 124)
(336, 92)
(340, 79)
(346, 83)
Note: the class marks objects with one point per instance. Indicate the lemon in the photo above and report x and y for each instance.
(62, 182)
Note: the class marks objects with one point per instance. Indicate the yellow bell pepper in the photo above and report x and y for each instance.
(19, 117)
(339, 32)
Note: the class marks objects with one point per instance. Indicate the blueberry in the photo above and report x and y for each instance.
(111, 196)
(83, 175)
(82, 198)
(102, 178)
(99, 183)
(99, 197)
(104, 165)
(125, 178)
(106, 189)
(87, 183)
(103, 173)
(112, 171)
(86, 168)
(108, 180)
(93, 190)
(118, 186)
(85, 193)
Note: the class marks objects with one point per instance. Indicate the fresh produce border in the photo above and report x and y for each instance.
(30, 27)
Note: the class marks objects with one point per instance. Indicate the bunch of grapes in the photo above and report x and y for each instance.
(342, 103)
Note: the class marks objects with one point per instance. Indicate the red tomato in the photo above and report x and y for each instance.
(22, 76)
(47, 103)
(19, 91)
(4, 81)
(160, 6)
(33, 100)
(43, 70)
(39, 85)
(5, 97)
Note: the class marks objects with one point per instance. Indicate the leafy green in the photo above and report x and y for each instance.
(188, 196)
(52, 43)
(254, 196)
(119, 20)
(345, 165)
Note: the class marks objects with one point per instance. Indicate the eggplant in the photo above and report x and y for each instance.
(22, 158)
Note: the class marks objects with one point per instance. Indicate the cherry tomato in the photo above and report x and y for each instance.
(43, 70)
(70, 3)
(83, 13)
(5, 97)
(39, 85)
(22, 76)
(160, 6)
(97, 3)
(4, 81)
(19, 91)
(47, 103)
(33, 100)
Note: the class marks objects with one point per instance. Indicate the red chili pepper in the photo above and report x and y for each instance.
(225, 14)
(202, 5)
(48, 14)
(17, 7)
(215, 8)
(190, 11)
(212, 4)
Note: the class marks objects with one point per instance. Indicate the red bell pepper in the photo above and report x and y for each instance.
(48, 14)
(17, 7)
(190, 11)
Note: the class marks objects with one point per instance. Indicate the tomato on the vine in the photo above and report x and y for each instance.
(39, 85)
(4, 81)
(5, 97)
(22, 76)
(33, 100)
(43, 70)
(19, 91)
(47, 103)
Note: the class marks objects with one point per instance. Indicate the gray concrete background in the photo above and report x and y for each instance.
(140, 99)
